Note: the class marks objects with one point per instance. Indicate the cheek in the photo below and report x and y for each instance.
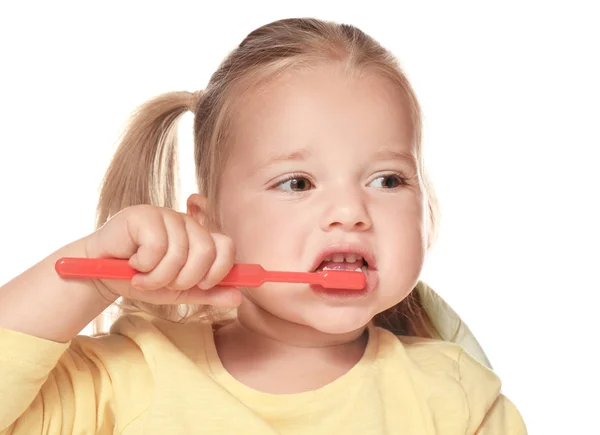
(401, 219)
(402, 243)
(263, 229)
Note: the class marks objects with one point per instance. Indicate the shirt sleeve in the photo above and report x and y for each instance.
(490, 412)
(51, 388)
(502, 419)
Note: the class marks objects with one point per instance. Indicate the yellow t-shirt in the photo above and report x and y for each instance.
(149, 376)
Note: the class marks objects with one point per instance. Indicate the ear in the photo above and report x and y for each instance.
(429, 242)
(197, 207)
(429, 230)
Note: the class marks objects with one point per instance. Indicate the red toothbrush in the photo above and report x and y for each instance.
(241, 275)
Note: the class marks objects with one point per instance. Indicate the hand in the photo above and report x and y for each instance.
(180, 261)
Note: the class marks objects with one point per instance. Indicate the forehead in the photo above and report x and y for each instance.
(321, 106)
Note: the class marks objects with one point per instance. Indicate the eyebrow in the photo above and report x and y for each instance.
(303, 154)
(389, 154)
(296, 155)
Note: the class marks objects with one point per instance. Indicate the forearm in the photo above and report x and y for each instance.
(40, 303)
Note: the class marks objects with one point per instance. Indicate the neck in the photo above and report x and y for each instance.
(261, 350)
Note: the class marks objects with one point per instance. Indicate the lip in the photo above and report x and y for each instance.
(349, 248)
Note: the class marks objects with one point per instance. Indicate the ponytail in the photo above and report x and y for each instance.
(144, 169)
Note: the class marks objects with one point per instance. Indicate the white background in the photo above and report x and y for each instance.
(511, 98)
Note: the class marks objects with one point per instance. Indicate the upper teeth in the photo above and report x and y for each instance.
(358, 269)
(340, 258)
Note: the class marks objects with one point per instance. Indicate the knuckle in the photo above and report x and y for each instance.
(179, 245)
(158, 245)
(207, 252)
(177, 258)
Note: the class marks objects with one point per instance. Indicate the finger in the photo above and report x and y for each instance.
(201, 255)
(222, 264)
(174, 258)
(148, 232)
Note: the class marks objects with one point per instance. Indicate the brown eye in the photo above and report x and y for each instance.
(295, 184)
(390, 181)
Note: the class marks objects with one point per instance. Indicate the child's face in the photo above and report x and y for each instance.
(346, 143)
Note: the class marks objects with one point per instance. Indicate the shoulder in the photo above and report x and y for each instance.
(115, 353)
(429, 355)
(455, 361)
(448, 377)
(130, 358)
(429, 349)
(135, 339)
(489, 411)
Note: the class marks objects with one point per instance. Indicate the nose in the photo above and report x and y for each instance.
(346, 211)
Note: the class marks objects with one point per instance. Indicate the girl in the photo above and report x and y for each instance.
(308, 156)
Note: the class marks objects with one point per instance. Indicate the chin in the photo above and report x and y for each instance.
(339, 323)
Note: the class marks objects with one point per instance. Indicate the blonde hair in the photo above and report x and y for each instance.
(144, 167)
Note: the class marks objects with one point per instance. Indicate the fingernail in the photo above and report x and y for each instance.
(137, 284)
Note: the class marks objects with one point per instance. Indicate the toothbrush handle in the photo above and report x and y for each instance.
(100, 268)
(111, 268)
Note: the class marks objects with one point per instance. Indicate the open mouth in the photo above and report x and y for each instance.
(343, 261)
(347, 257)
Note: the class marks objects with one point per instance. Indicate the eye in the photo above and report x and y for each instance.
(389, 181)
(295, 183)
